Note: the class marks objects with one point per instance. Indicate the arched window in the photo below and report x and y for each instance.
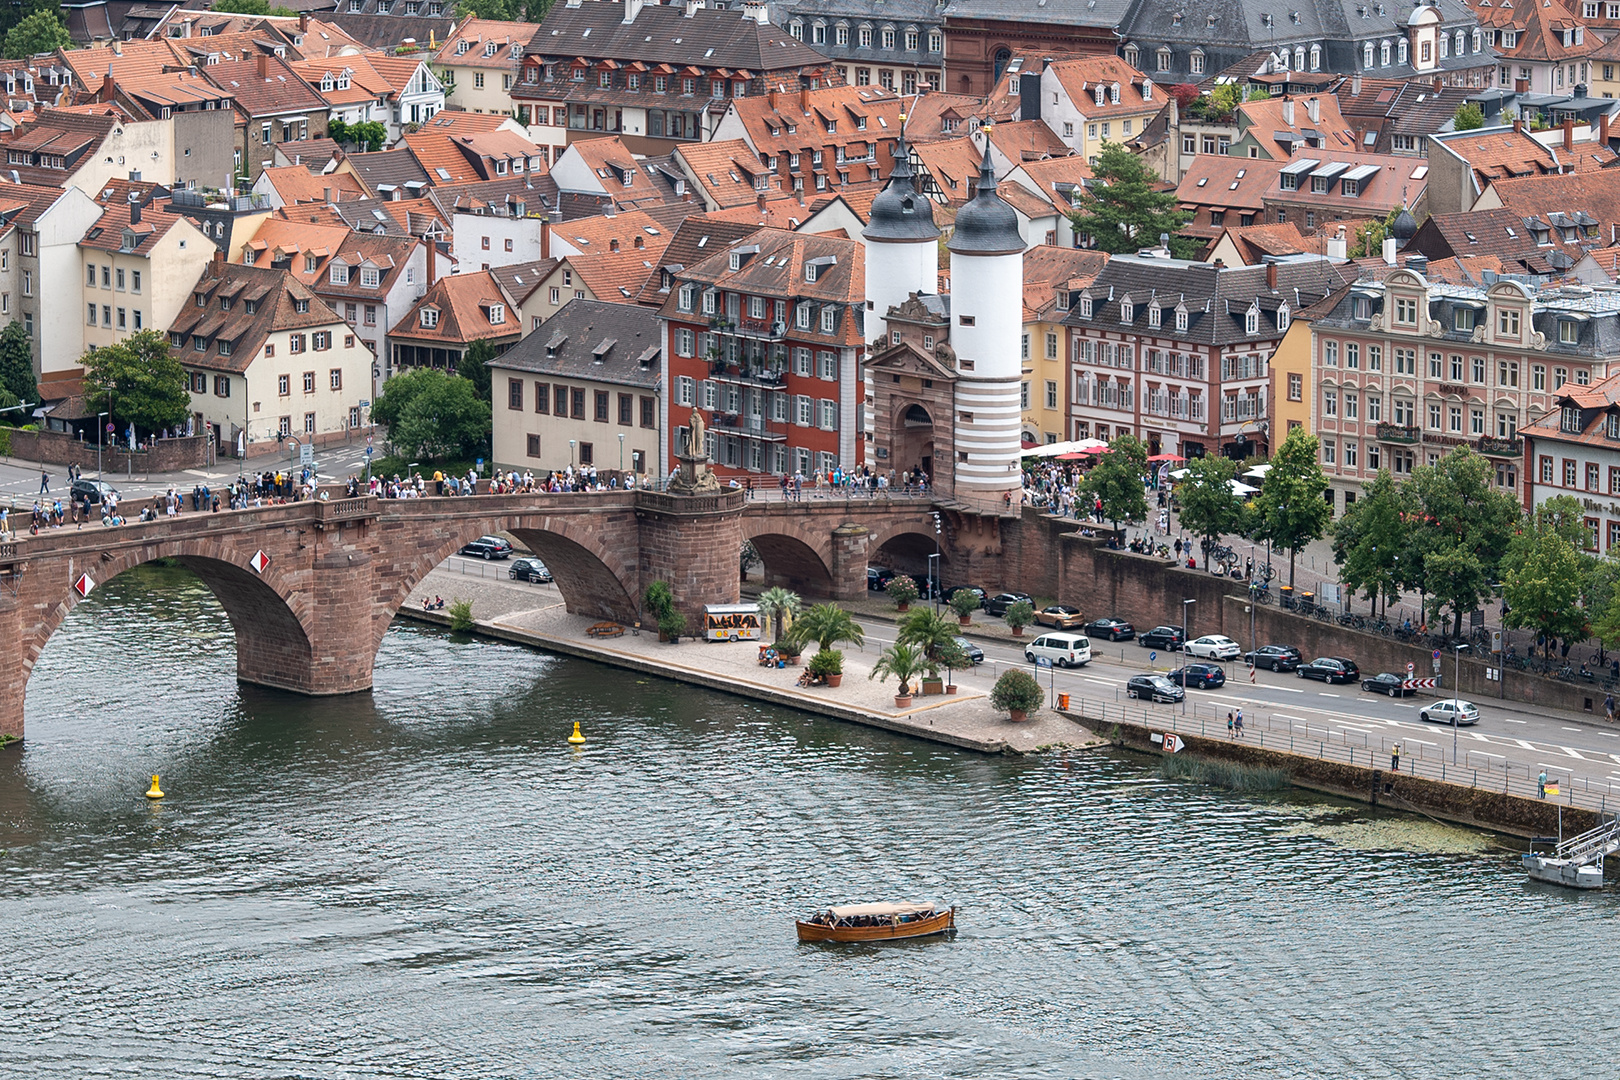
(1476, 40)
(1162, 59)
(1251, 320)
(1003, 58)
(1459, 47)
(1132, 54)
(796, 28)
(1400, 52)
(1383, 54)
(1299, 58)
(1113, 93)
(1367, 55)
(1316, 58)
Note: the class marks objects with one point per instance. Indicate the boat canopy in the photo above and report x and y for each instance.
(850, 911)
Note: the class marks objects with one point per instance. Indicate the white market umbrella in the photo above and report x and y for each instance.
(1240, 488)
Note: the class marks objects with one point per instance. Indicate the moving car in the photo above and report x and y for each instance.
(1162, 637)
(878, 578)
(998, 604)
(97, 491)
(952, 590)
(1154, 688)
(1213, 647)
(488, 547)
(1329, 669)
(529, 570)
(1061, 616)
(1452, 710)
(1113, 628)
(1385, 683)
(1275, 657)
(974, 653)
(1201, 676)
(1064, 650)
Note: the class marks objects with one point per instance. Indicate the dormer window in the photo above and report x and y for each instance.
(461, 47)
(1462, 320)
(1569, 332)
(1155, 315)
(1113, 94)
(429, 318)
(1251, 319)
(1282, 318)
(327, 83)
(810, 271)
(1181, 318)
(301, 305)
(1569, 420)
(1085, 305)
(1098, 93)
(489, 49)
(1611, 426)
(338, 274)
(370, 277)
(497, 314)
(310, 263)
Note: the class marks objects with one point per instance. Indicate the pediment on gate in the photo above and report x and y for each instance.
(919, 312)
(907, 359)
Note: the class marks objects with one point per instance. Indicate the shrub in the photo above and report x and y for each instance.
(902, 590)
(786, 646)
(964, 603)
(1017, 691)
(826, 662)
(5, 442)
(1020, 614)
(672, 624)
(659, 600)
(904, 662)
(461, 620)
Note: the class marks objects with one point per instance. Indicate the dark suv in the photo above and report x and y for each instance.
(1330, 669)
(488, 547)
(1162, 637)
(998, 604)
(97, 491)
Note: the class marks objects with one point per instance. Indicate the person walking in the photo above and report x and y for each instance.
(1395, 758)
(1608, 708)
(44, 482)
(1541, 784)
(1240, 723)
(1231, 725)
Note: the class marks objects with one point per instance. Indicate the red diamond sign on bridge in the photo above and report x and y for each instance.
(259, 561)
(84, 584)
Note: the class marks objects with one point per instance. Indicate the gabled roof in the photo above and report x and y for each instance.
(1080, 79)
(1497, 153)
(1221, 183)
(727, 171)
(616, 275)
(470, 45)
(263, 86)
(1026, 140)
(1048, 268)
(393, 169)
(665, 34)
(698, 237)
(521, 279)
(1540, 26)
(444, 159)
(463, 302)
(868, 115)
(952, 168)
(281, 239)
(1267, 121)
(274, 296)
(589, 339)
(312, 154)
(610, 162)
(296, 184)
(927, 115)
(631, 231)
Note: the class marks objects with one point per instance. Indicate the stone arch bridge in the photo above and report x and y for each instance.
(311, 587)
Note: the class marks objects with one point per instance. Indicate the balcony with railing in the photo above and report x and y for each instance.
(748, 427)
(1396, 433)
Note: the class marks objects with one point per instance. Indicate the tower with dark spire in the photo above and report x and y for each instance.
(987, 272)
(902, 254)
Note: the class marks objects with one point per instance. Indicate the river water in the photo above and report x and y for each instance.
(428, 882)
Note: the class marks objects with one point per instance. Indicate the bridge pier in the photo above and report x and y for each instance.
(14, 671)
(849, 559)
(694, 542)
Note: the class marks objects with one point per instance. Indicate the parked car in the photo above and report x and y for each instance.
(1202, 676)
(529, 570)
(878, 578)
(974, 653)
(1154, 688)
(1275, 657)
(1063, 649)
(1162, 637)
(1111, 628)
(1330, 669)
(1453, 710)
(1061, 616)
(97, 491)
(488, 547)
(951, 591)
(1213, 647)
(998, 604)
(1385, 683)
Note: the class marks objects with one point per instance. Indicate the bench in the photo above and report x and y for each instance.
(605, 630)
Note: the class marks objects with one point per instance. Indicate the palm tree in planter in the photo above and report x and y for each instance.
(904, 662)
(1020, 615)
(902, 590)
(934, 636)
(658, 600)
(1017, 693)
(964, 603)
(671, 625)
(827, 625)
(779, 605)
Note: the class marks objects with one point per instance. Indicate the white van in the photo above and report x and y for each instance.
(1063, 649)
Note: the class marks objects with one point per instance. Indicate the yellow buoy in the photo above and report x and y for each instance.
(576, 738)
(154, 792)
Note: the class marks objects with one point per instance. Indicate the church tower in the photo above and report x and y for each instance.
(987, 276)
(902, 254)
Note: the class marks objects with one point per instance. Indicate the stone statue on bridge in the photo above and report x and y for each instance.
(693, 476)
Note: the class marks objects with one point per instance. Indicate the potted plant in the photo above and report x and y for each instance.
(902, 590)
(658, 600)
(951, 657)
(933, 635)
(1017, 693)
(826, 625)
(828, 664)
(779, 605)
(671, 625)
(904, 662)
(964, 602)
(1019, 616)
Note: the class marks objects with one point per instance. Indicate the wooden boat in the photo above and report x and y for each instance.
(877, 922)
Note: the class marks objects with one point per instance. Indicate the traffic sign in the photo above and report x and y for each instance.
(1153, 655)
(260, 561)
(1421, 684)
(365, 404)
(84, 584)
(1410, 668)
(1173, 743)
(306, 455)
(111, 429)
(1437, 654)
(1043, 662)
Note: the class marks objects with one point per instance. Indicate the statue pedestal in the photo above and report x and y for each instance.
(693, 477)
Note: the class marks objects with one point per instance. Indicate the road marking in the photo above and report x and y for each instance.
(1505, 720)
(1285, 716)
(1559, 768)
(1398, 705)
(1290, 690)
(1425, 742)
(1321, 693)
(1477, 737)
(1609, 735)
(1525, 743)
(1576, 754)
(1572, 729)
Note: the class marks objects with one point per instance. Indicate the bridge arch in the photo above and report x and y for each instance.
(796, 556)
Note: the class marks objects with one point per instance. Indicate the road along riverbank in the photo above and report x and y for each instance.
(534, 615)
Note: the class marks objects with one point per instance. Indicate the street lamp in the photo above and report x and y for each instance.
(933, 578)
(934, 569)
(621, 457)
(1185, 604)
(570, 453)
(99, 433)
(1456, 695)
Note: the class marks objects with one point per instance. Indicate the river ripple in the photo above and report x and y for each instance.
(427, 882)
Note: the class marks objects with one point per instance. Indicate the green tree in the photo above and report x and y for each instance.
(904, 662)
(1546, 572)
(1370, 237)
(1209, 507)
(1290, 511)
(1124, 209)
(1468, 117)
(933, 635)
(149, 387)
(367, 136)
(17, 365)
(433, 415)
(41, 32)
(1117, 480)
(1370, 540)
(1458, 510)
(827, 625)
(474, 366)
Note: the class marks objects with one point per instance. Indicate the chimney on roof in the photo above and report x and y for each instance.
(757, 10)
(1390, 246)
(218, 261)
(303, 22)
(1220, 264)
(1355, 85)
(263, 61)
(1271, 275)
(1521, 86)
(326, 194)
(772, 96)
(432, 260)
(117, 47)
(759, 201)
(545, 238)
(693, 7)
(105, 91)
(1288, 111)
(134, 208)
(1603, 128)
(632, 8)
(1518, 124)
(1313, 109)
(804, 97)
(1569, 136)
(1439, 84)
(1337, 246)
